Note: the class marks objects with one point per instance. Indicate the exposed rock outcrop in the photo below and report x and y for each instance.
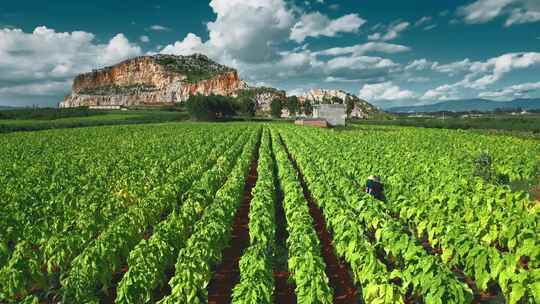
(359, 108)
(168, 79)
(158, 79)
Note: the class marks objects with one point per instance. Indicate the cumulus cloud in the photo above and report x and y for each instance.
(144, 39)
(250, 31)
(523, 90)
(118, 49)
(516, 11)
(360, 49)
(392, 32)
(360, 63)
(191, 44)
(317, 24)
(252, 37)
(441, 93)
(479, 74)
(385, 91)
(419, 65)
(492, 70)
(453, 68)
(48, 60)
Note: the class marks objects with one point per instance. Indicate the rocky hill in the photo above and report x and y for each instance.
(167, 79)
(360, 108)
(158, 79)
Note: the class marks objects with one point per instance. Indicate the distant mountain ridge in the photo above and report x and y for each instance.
(8, 108)
(466, 105)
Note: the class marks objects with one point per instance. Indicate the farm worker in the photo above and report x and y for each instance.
(375, 187)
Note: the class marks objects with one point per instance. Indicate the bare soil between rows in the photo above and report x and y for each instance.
(284, 288)
(227, 274)
(345, 292)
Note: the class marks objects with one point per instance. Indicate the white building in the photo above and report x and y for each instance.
(334, 114)
(105, 107)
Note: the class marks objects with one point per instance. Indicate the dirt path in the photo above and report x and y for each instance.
(227, 275)
(340, 279)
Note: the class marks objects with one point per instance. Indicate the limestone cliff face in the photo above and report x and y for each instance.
(158, 79)
(361, 107)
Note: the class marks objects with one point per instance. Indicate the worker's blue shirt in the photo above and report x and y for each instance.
(375, 189)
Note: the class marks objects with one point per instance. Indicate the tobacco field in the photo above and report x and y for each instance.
(267, 213)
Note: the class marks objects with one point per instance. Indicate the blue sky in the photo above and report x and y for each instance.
(389, 52)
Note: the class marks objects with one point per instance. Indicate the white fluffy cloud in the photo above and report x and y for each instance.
(317, 24)
(392, 32)
(453, 68)
(384, 91)
(523, 90)
(479, 74)
(191, 44)
(516, 11)
(360, 63)
(441, 93)
(47, 59)
(144, 39)
(118, 49)
(360, 49)
(492, 70)
(249, 30)
(251, 36)
(419, 65)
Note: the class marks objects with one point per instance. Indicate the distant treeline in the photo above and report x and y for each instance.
(522, 123)
(217, 107)
(48, 113)
(25, 123)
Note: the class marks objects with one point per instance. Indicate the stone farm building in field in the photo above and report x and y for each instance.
(334, 114)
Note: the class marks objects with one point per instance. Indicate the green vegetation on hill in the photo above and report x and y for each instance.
(117, 90)
(196, 67)
(252, 92)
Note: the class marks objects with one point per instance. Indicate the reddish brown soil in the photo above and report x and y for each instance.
(227, 274)
(284, 290)
(340, 279)
(536, 193)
